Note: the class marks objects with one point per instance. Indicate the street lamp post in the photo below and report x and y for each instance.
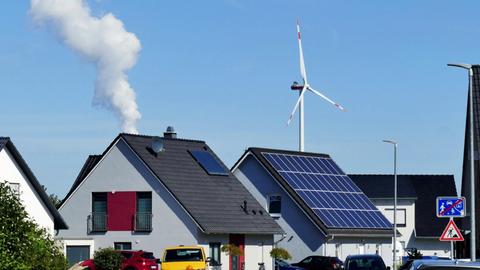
(394, 202)
(472, 160)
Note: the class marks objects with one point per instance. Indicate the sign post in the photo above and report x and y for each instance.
(451, 207)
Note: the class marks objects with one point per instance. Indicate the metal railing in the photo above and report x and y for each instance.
(97, 222)
(143, 222)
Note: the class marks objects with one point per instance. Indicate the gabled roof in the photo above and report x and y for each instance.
(423, 188)
(215, 202)
(6, 143)
(257, 153)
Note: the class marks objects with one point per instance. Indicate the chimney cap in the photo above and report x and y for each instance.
(170, 133)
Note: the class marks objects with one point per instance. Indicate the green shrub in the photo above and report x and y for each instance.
(107, 259)
(23, 244)
(280, 253)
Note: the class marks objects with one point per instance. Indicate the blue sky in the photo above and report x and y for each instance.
(221, 70)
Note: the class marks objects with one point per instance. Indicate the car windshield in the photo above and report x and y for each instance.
(148, 255)
(183, 255)
(372, 263)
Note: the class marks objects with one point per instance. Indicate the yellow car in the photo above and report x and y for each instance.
(184, 258)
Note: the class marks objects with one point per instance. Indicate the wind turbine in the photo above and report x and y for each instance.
(303, 88)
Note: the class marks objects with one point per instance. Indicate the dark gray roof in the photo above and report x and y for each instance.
(257, 152)
(214, 201)
(59, 223)
(424, 188)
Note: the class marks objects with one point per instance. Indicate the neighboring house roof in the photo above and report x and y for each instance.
(6, 143)
(423, 188)
(257, 153)
(215, 202)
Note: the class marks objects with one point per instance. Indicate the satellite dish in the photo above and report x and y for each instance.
(157, 145)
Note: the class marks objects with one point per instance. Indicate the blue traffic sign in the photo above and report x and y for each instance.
(450, 207)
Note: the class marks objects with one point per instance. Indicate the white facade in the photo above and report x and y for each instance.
(11, 173)
(406, 220)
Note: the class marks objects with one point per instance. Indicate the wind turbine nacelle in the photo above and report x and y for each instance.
(295, 86)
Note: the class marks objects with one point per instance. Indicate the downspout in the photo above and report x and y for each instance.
(328, 240)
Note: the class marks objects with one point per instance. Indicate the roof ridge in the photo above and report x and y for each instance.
(287, 151)
(149, 136)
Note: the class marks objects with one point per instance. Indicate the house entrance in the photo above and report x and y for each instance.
(237, 262)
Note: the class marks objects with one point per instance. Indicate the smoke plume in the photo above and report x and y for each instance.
(103, 41)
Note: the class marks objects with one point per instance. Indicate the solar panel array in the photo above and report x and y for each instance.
(328, 191)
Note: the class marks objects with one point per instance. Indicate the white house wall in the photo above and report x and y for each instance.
(12, 173)
(428, 246)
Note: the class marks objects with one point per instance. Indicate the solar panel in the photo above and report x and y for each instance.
(208, 162)
(328, 191)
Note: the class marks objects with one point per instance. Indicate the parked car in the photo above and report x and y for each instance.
(283, 265)
(443, 265)
(132, 260)
(184, 257)
(320, 263)
(365, 262)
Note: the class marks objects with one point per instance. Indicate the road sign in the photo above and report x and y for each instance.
(450, 207)
(451, 233)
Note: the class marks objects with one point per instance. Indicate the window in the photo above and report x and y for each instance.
(122, 246)
(77, 253)
(275, 205)
(215, 254)
(143, 217)
(183, 255)
(99, 212)
(15, 187)
(401, 216)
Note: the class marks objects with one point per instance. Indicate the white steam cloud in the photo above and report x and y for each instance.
(103, 41)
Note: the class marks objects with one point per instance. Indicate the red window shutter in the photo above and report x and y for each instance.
(121, 210)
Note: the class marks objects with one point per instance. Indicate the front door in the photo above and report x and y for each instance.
(238, 262)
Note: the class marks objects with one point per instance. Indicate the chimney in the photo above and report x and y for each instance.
(170, 133)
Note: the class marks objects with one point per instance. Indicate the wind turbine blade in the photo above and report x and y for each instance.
(303, 72)
(326, 98)
(296, 105)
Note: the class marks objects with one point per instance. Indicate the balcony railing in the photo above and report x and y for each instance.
(143, 222)
(97, 222)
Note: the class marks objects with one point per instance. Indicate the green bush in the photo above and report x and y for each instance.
(107, 259)
(280, 253)
(23, 244)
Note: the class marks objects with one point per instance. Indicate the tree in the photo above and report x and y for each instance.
(23, 244)
(53, 198)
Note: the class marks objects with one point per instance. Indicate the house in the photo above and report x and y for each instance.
(417, 221)
(149, 193)
(15, 171)
(317, 205)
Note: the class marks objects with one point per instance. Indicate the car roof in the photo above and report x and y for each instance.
(417, 263)
(363, 256)
(181, 247)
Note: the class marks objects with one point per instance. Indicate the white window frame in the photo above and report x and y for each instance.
(268, 205)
